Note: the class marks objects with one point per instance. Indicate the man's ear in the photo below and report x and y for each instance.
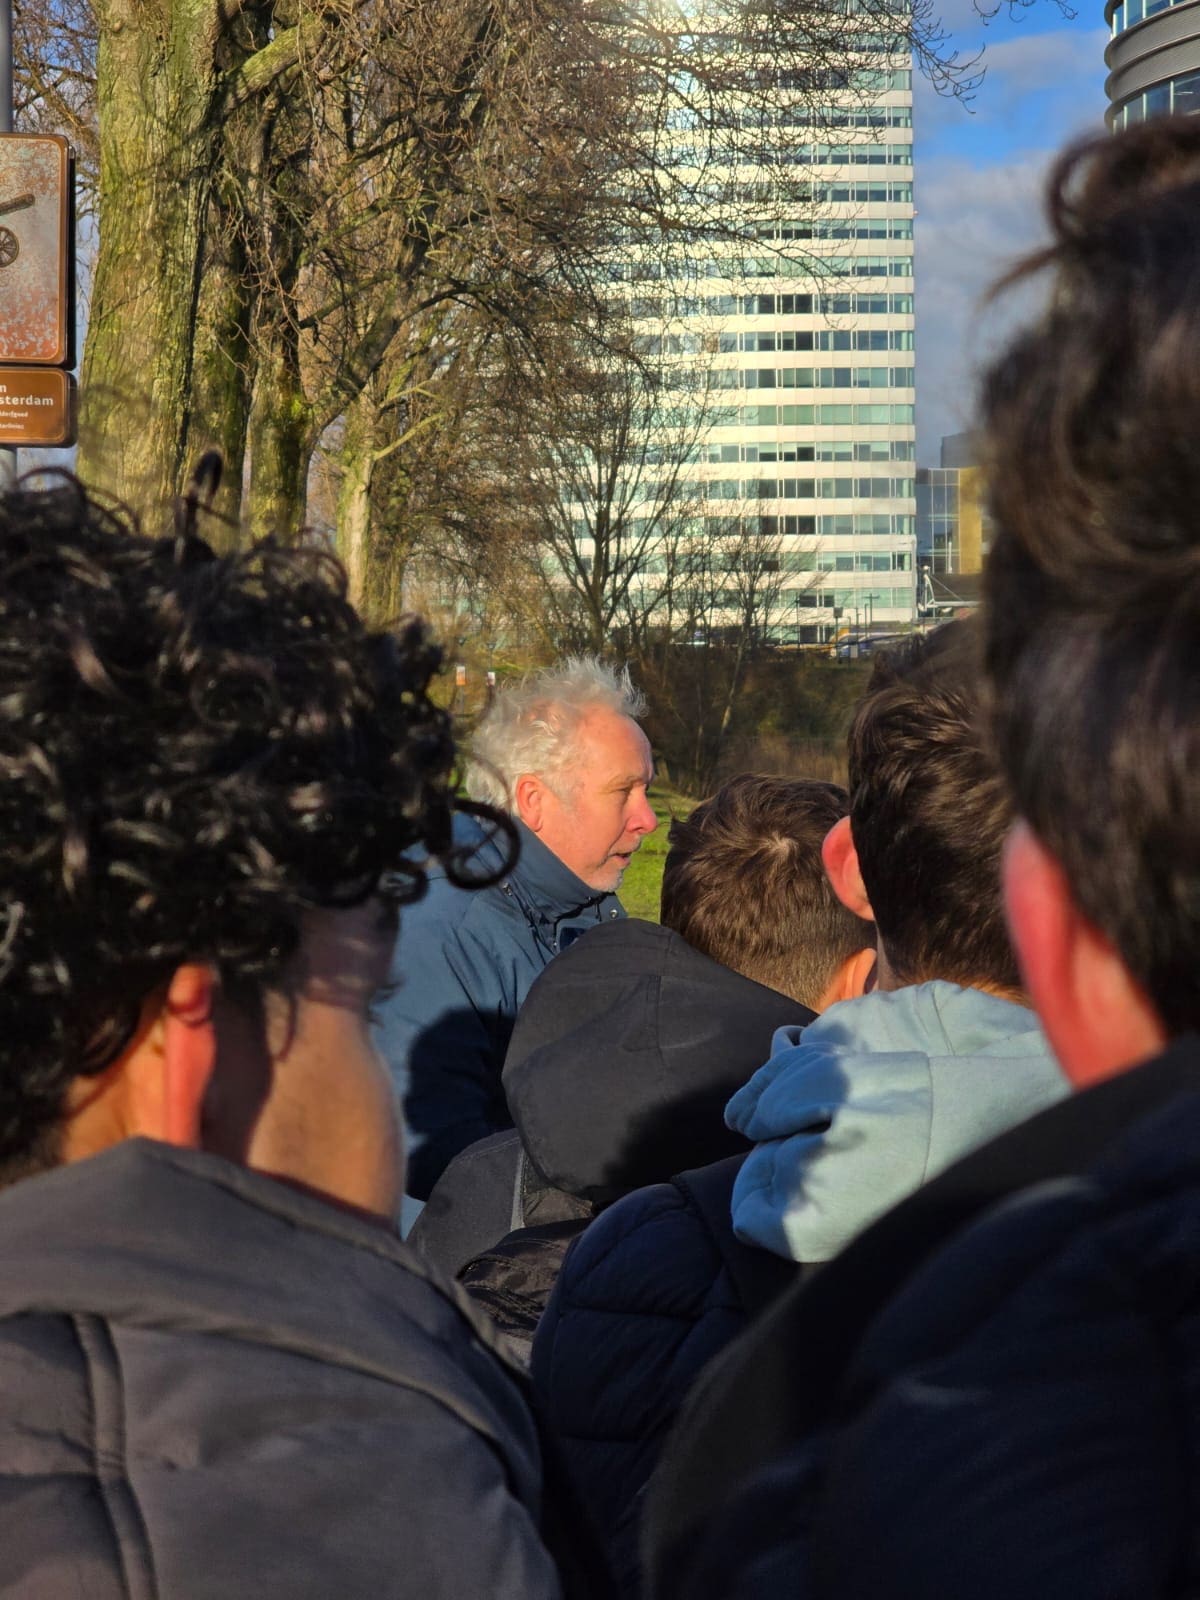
(841, 868)
(189, 1053)
(529, 798)
(850, 980)
(1098, 1018)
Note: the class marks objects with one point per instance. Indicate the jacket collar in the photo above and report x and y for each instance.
(547, 884)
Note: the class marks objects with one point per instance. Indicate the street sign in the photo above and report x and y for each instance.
(36, 254)
(37, 406)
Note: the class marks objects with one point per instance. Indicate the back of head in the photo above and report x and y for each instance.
(1093, 590)
(195, 753)
(929, 813)
(745, 885)
(530, 726)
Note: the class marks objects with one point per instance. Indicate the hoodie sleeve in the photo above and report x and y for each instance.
(838, 1141)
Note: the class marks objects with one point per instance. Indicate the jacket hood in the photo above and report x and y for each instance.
(624, 1054)
(855, 1112)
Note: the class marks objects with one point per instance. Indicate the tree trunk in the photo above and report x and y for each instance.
(219, 411)
(280, 439)
(156, 82)
(357, 461)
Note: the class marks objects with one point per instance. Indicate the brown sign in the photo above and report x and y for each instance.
(37, 406)
(35, 249)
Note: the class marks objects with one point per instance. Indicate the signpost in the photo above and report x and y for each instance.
(37, 282)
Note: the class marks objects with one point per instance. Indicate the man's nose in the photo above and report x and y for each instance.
(644, 819)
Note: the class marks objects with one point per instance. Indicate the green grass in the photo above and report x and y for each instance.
(642, 884)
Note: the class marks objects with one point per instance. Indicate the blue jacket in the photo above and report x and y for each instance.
(854, 1111)
(465, 960)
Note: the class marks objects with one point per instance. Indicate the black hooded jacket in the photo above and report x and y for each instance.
(981, 1455)
(624, 1055)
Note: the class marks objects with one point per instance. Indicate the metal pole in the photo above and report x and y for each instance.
(8, 454)
(6, 67)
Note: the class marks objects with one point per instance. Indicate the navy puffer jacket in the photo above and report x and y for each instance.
(613, 1378)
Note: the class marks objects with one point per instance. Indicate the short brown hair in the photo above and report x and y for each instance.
(745, 885)
(1093, 585)
(929, 813)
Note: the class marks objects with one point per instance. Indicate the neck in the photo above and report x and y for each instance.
(887, 979)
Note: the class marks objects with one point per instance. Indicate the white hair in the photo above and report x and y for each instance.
(530, 727)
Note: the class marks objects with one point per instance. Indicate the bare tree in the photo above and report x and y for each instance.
(299, 203)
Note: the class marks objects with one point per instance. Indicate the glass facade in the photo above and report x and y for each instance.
(1130, 12)
(1153, 58)
(1179, 95)
(937, 518)
(838, 526)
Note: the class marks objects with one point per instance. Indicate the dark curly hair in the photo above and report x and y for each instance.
(194, 751)
(1092, 593)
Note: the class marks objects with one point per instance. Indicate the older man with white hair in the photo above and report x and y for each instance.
(562, 753)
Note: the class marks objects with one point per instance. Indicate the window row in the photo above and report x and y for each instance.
(819, 339)
(771, 266)
(832, 416)
(836, 266)
(813, 378)
(802, 115)
(807, 489)
(773, 305)
(1180, 95)
(867, 153)
(882, 450)
(839, 228)
(1130, 12)
(837, 191)
(864, 524)
(871, 80)
(847, 561)
(848, 599)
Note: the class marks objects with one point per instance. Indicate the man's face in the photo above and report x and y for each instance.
(595, 813)
(319, 1110)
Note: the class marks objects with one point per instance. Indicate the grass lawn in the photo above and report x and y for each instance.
(640, 888)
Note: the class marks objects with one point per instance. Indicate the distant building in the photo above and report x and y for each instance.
(960, 450)
(951, 524)
(1153, 59)
(811, 447)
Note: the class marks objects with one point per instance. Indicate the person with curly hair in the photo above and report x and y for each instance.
(220, 1370)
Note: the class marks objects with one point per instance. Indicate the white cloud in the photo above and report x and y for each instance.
(1039, 88)
(979, 182)
(971, 227)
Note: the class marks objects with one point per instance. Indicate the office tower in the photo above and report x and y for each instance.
(1153, 59)
(812, 437)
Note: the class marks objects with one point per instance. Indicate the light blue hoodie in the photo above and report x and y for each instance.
(857, 1110)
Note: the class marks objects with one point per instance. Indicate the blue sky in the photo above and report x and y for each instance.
(978, 171)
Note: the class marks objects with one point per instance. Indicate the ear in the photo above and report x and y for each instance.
(529, 794)
(850, 980)
(841, 868)
(189, 1052)
(1098, 1018)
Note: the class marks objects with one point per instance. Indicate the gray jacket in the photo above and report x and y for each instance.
(212, 1385)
